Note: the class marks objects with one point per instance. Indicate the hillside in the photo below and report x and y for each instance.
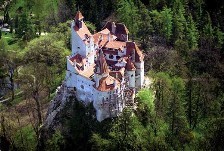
(182, 41)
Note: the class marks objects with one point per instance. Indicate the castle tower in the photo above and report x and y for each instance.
(102, 69)
(130, 72)
(78, 19)
(139, 74)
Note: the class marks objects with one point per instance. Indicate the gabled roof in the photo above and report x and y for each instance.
(78, 15)
(108, 83)
(78, 59)
(120, 28)
(131, 46)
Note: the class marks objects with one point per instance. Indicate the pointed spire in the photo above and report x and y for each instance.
(78, 16)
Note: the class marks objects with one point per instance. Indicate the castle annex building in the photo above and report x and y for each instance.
(104, 68)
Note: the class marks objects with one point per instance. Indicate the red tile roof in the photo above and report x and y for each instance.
(103, 64)
(82, 32)
(108, 84)
(131, 46)
(130, 66)
(78, 59)
(120, 28)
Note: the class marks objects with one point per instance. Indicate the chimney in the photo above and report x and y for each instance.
(97, 81)
(80, 24)
(113, 28)
(101, 37)
(91, 39)
(108, 36)
(115, 83)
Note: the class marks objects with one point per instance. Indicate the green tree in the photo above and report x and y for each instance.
(219, 38)
(49, 52)
(192, 34)
(162, 86)
(54, 143)
(162, 23)
(144, 24)
(127, 13)
(127, 132)
(25, 28)
(208, 34)
(179, 21)
(167, 23)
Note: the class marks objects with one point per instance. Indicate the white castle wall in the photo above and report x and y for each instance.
(100, 105)
(84, 89)
(78, 46)
(131, 77)
(139, 74)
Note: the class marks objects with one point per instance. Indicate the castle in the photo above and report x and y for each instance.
(104, 68)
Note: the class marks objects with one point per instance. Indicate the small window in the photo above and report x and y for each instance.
(78, 47)
(111, 56)
(132, 75)
(82, 86)
(118, 57)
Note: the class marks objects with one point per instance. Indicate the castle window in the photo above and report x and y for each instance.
(111, 56)
(118, 57)
(82, 86)
(132, 75)
(78, 47)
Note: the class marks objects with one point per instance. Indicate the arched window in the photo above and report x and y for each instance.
(111, 56)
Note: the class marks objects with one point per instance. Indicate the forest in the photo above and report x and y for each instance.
(183, 44)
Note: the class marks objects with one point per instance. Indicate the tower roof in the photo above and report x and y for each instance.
(103, 64)
(78, 15)
(130, 66)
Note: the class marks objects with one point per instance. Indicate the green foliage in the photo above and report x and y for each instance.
(90, 26)
(167, 23)
(3, 57)
(100, 144)
(219, 38)
(127, 133)
(145, 26)
(47, 52)
(46, 49)
(163, 22)
(25, 139)
(25, 29)
(54, 143)
(145, 96)
(192, 34)
(184, 108)
(127, 13)
(179, 21)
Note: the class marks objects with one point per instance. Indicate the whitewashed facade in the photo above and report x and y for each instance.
(104, 68)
